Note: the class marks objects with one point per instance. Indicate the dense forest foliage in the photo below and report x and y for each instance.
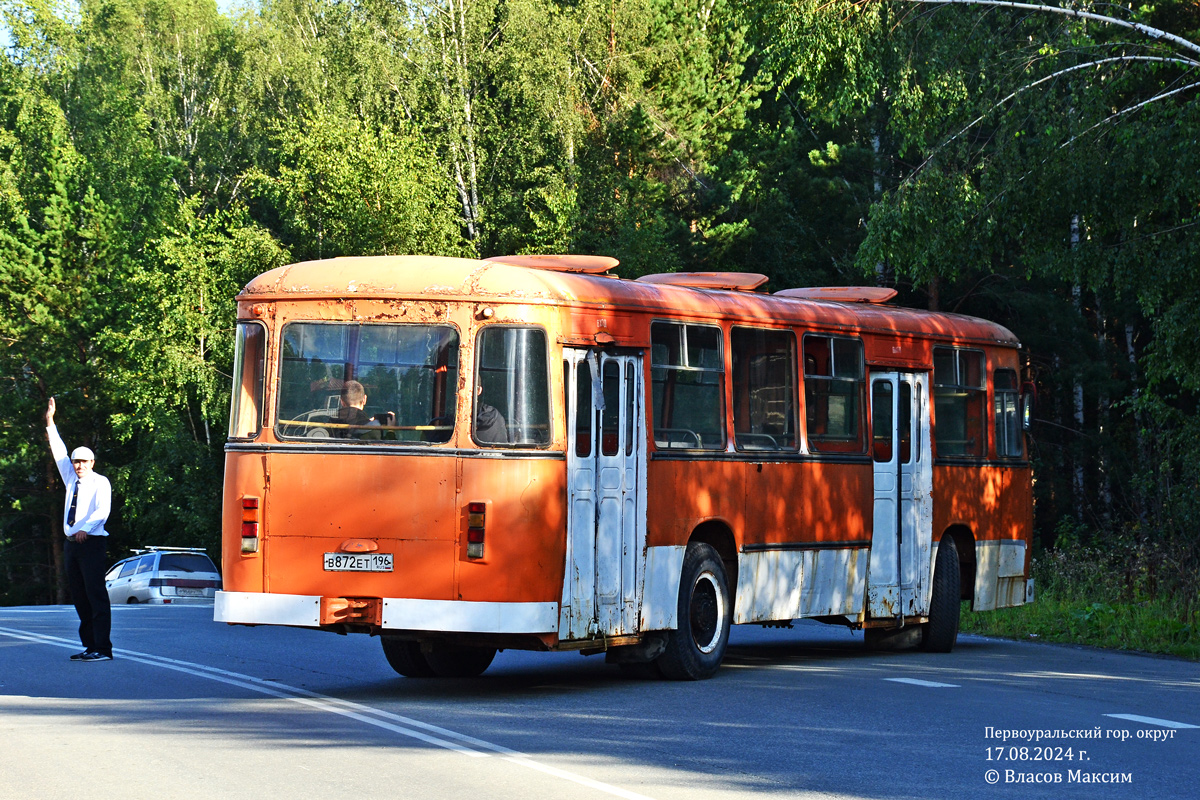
(1034, 167)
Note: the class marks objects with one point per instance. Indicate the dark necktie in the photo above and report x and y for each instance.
(74, 502)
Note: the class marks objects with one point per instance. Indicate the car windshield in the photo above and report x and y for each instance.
(186, 562)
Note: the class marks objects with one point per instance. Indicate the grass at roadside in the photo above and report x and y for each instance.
(1146, 626)
(1104, 597)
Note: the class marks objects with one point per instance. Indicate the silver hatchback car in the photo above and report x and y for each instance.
(166, 575)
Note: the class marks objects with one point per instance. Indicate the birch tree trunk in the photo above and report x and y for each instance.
(1077, 484)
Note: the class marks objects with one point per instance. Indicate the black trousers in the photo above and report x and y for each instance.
(85, 564)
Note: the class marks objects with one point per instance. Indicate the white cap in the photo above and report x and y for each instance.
(83, 454)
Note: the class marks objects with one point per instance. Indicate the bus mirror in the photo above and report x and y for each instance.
(1028, 404)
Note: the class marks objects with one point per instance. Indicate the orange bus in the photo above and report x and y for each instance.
(529, 452)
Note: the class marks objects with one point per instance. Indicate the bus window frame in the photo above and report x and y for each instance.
(793, 399)
(476, 384)
(722, 413)
(1014, 393)
(452, 390)
(981, 390)
(260, 401)
(863, 439)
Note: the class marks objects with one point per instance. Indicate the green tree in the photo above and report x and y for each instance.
(342, 189)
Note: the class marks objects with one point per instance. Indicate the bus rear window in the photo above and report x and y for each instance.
(358, 383)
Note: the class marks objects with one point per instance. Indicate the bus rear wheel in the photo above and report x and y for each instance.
(941, 632)
(458, 661)
(697, 646)
(406, 657)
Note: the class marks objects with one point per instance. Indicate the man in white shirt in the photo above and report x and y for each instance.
(89, 500)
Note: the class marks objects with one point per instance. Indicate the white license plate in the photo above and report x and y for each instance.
(358, 562)
(185, 592)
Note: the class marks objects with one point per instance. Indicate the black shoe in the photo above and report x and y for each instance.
(95, 657)
(79, 656)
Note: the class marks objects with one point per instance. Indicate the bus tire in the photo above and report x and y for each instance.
(886, 639)
(458, 661)
(406, 657)
(697, 646)
(941, 632)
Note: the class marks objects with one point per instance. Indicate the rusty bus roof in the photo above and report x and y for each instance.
(463, 279)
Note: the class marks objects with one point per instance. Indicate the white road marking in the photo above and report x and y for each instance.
(356, 711)
(919, 682)
(1162, 723)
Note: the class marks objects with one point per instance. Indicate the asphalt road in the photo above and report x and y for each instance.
(194, 709)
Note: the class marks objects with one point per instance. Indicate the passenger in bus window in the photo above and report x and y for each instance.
(352, 402)
(490, 427)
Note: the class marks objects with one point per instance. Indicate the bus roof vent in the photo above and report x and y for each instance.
(842, 294)
(592, 265)
(738, 281)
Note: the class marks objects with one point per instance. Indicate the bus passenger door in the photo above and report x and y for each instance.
(606, 485)
(899, 576)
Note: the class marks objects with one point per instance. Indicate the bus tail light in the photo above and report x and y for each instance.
(249, 524)
(476, 524)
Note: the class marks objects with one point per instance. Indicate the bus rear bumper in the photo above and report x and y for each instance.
(448, 616)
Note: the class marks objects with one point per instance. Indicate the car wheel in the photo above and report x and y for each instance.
(133, 601)
(697, 646)
(405, 657)
(458, 661)
(941, 632)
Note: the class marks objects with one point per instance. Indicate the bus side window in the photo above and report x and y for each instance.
(687, 372)
(512, 380)
(764, 388)
(249, 365)
(1010, 443)
(958, 402)
(834, 389)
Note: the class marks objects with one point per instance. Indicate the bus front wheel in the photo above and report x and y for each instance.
(695, 648)
(406, 657)
(941, 632)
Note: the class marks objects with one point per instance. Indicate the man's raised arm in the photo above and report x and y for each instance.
(59, 450)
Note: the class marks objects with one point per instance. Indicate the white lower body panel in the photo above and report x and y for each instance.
(999, 575)
(460, 616)
(660, 593)
(257, 608)
(789, 584)
(450, 616)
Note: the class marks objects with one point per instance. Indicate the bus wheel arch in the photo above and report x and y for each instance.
(719, 537)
